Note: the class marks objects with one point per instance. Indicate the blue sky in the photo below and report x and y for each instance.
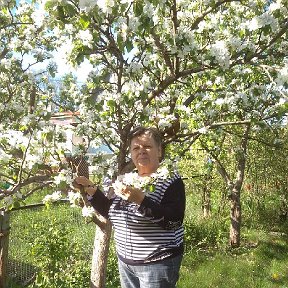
(80, 72)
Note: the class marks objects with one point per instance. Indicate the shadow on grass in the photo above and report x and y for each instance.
(273, 250)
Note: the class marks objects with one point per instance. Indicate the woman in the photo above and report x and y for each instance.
(148, 225)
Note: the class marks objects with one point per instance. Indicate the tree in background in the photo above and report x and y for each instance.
(191, 68)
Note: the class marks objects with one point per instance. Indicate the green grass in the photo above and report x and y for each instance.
(260, 264)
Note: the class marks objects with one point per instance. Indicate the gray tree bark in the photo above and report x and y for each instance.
(100, 256)
(4, 243)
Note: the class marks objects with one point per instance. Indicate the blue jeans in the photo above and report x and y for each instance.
(163, 274)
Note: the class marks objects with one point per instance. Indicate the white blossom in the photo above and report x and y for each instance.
(56, 196)
(282, 76)
(8, 200)
(203, 130)
(106, 5)
(134, 23)
(143, 183)
(220, 101)
(64, 176)
(4, 156)
(220, 51)
(39, 15)
(165, 121)
(18, 195)
(260, 21)
(274, 6)
(278, 141)
(135, 67)
(32, 159)
(86, 37)
(87, 5)
(88, 212)
(74, 198)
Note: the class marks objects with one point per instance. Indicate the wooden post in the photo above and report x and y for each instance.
(4, 241)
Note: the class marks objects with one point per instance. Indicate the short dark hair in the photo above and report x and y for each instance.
(140, 130)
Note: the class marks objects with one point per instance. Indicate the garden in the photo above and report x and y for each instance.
(57, 241)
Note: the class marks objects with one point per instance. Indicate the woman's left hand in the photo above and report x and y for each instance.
(131, 194)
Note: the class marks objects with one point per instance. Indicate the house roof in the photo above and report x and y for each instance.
(65, 118)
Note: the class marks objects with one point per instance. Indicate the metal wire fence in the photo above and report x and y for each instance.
(24, 223)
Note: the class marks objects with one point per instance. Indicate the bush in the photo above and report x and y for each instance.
(60, 261)
(205, 233)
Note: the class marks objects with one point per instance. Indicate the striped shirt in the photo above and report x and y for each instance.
(151, 231)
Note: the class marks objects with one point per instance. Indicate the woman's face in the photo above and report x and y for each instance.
(145, 154)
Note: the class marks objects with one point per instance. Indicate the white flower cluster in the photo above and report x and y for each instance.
(15, 138)
(220, 51)
(261, 21)
(64, 176)
(87, 5)
(106, 5)
(4, 157)
(86, 38)
(203, 130)
(88, 212)
(130, 179)
(165, 121)
(282, 76)
(9, 200)
(146, 183)
(56, 196)
(39, 15)
(74, 198)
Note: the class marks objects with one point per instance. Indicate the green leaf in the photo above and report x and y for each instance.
(242, 33)
(146, 23)
(49, 5)
(84, 21)
(152, 188)
(49, 136)
(70, 9)
(138, 8)
(60, 12)
(16, 204)
(120, 42)
(129, 45)
(111, 103)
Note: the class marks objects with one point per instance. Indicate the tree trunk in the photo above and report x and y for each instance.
(4, 241)
(206, 197)
(235, 187)
(235, 217)
(102, 233)
(206, 202)
(100, 256)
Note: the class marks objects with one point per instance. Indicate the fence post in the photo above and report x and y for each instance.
(4, 241)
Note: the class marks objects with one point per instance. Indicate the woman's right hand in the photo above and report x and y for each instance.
(82, 181)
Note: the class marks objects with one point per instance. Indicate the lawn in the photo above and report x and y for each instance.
(261, 263)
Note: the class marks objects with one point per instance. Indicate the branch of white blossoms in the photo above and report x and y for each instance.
(64, 180)
(145, 183)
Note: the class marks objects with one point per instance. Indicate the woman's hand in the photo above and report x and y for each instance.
(131, 194)
(82, 181)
